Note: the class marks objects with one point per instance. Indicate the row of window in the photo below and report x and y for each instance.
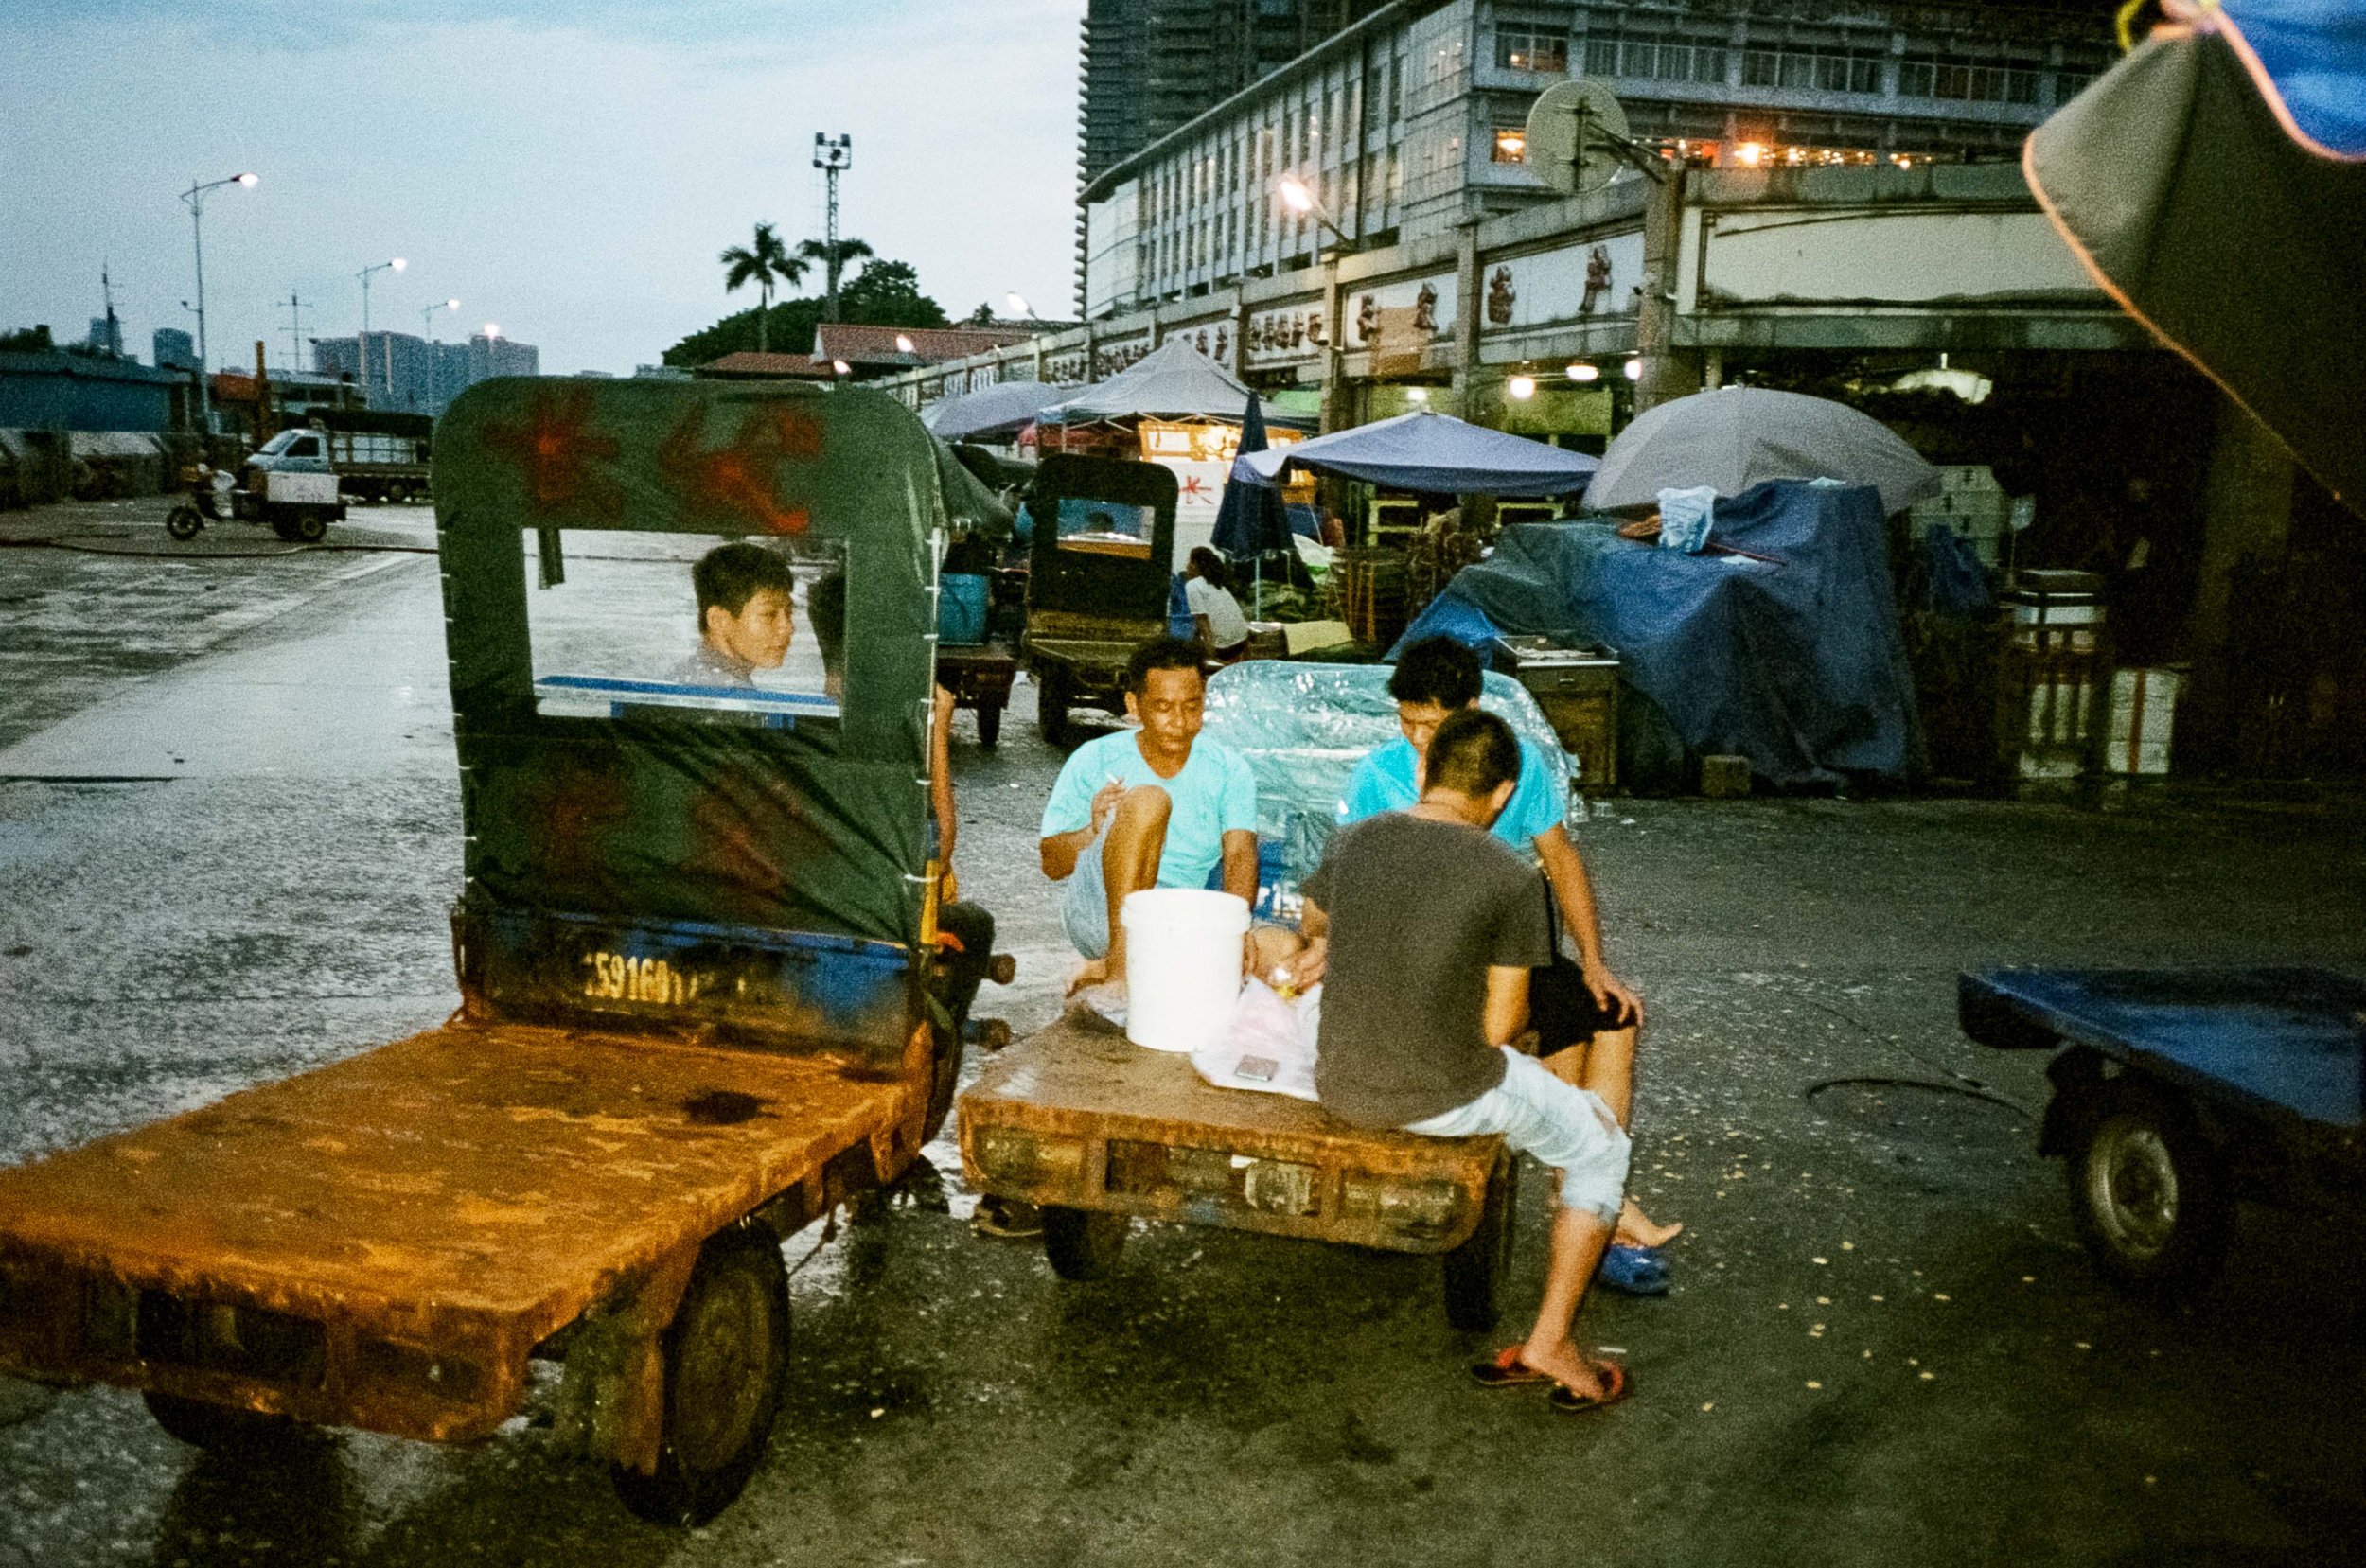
(1662, 59)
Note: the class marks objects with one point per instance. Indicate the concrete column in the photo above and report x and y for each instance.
(1669, 373)
(2246, 511)
(1468, 376)
(1336, 416)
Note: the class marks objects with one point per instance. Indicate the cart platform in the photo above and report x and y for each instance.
(1077, 1117)
(382, 1242)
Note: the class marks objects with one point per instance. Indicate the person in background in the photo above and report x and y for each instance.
(1424, 931)
(1153, 808)
(1585, 1017)
(746, 603)
(1207, 589)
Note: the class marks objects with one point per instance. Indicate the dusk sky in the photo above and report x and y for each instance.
(568, 169)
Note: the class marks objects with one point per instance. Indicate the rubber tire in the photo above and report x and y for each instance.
(286, 530)
(219, 1426)
(1476, 1269)
(2129, 1121)
(184, 522)
(989, 724)
(310, 528)
(1053, 697)
(740, 1267)
(1083, 1243)
(945, 1077)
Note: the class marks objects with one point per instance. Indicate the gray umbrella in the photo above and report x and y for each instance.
(1740, 436)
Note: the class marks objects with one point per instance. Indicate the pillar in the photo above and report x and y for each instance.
(2247, 510)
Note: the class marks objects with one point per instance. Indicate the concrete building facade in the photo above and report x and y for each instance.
(1410, 121)
(411, 374)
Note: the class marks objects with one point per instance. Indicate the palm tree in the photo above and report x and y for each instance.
(833, 256)
(766, 264)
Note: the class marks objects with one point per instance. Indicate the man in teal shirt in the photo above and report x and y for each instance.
(1585, 1017)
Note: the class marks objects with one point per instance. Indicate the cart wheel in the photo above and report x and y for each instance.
(946, 1077)
(218, 1426)
(1083, 1243)
(1053, 695)
(2148, 1192)
(183, 522)
(725, 1353)
(312, 528)
(989, 724)
(1476, 1269)
(286, 530)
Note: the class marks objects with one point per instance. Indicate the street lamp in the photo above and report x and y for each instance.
(1299, 197)
(1584, 372)
(427, 318)
(1016, 303)
(195, 199)
(398, 264)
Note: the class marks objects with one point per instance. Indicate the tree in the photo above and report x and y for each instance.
(767, 263)
(983, 316)
(834, 258)
(884, 294)
(887, 293)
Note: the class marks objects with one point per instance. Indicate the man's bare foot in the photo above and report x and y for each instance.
(1561, 1361)
(1637, 1229)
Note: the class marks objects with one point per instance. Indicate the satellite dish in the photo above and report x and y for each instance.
(1576, 129)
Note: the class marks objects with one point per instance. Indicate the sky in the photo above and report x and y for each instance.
(565, 168)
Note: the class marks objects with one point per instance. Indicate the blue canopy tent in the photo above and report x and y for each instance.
(1432, 453)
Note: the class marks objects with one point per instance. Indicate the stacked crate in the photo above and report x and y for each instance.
(2054, 677)
(1372, 593)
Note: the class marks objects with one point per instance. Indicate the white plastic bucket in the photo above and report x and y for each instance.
(1182, 965)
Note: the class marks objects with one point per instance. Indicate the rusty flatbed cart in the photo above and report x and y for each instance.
(696, 1004)
(1100, 1132)
(1097, 582)
(980, 675)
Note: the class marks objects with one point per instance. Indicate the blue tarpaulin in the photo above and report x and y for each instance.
(1787, 652)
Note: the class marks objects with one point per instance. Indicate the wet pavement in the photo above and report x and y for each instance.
(228, 837)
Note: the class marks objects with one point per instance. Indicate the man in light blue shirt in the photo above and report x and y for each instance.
(1154, 807)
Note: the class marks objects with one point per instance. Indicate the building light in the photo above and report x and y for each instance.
(1750, 154)
(1510, 146)
(1634, 369)
(1584, 372)
(841, 367)
(1521, 387)
(904, 343)
(1416, 395)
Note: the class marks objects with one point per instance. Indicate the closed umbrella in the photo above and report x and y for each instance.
(1251, 520)
(1739, 436)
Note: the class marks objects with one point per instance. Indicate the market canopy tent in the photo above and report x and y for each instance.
(2213, 183)
(990, 413)
(1736, 438)
(1172, 381)
(1435, 452)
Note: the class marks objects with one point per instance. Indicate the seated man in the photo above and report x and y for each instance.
(746, 603)
(1584, 1016)
(1424, 931)
(1153, 808)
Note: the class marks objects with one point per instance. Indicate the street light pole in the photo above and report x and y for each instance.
(427, 317)
(194, 197)
(1299, 197)
(361, 349)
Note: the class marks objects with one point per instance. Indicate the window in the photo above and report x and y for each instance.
(1529, 49)
(1964, 80)
(1609, 54)
(1510, 145)
(1812, 69)
(305, 446)
(622, 635)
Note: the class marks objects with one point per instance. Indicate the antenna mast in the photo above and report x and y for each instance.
(295, 331)
(107, 292)
(833, 156)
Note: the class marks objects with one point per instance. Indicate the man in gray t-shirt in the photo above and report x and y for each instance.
(1423, 928)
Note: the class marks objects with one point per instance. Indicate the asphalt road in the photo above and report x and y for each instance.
(228, 835)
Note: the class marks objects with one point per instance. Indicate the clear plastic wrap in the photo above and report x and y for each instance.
(1304, 727)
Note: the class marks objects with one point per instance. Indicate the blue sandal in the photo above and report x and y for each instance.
(1633, 1271)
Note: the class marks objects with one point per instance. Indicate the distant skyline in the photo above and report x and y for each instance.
(568, 170)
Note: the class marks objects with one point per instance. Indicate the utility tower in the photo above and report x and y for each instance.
(295, 331)
(833, 156)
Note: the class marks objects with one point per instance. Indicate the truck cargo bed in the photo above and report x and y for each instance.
(1079, 1116)
(382, 1242)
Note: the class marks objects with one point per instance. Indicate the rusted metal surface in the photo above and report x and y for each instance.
(1079, 1116)
(383, 1242)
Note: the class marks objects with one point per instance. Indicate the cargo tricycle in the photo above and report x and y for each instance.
(697, 992)
(1098, 580)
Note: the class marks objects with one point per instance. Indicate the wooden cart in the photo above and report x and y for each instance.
(696, 969)
(1092, 600)
(980, 676)
(1100, 1132)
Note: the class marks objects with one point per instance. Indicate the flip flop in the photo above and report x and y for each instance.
(1634, 1271)
(1506, 1372)
(1615, 1386)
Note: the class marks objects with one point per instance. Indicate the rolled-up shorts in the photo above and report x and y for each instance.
(1085, 900)
(1560, 1123)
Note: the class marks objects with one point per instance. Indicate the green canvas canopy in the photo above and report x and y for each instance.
(815, 828)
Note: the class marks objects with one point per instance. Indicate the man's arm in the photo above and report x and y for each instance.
(1574, 892)
(1060, 850)
(1507, 1012)
(1239, 865)
(940, 777)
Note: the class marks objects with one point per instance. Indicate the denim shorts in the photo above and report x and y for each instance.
(1561, 1124)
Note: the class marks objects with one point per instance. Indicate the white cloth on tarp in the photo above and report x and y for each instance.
(1268, 1029)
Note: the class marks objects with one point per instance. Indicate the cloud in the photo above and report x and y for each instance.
(568, 170)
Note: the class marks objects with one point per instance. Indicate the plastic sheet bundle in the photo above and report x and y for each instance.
(1304, 727)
